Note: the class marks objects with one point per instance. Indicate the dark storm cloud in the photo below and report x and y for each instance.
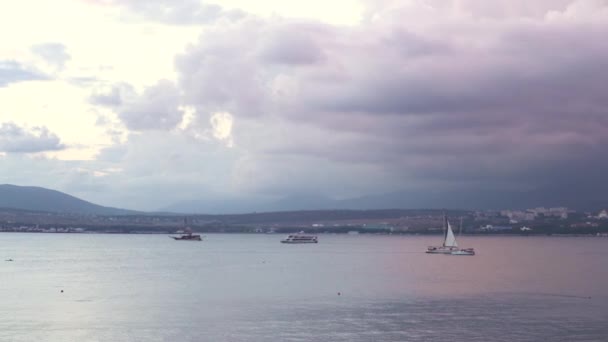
(12, 71)
(294, 43)
(430, 91)
(184, 12)
(16, 139)
(510, 75)
(53, 53)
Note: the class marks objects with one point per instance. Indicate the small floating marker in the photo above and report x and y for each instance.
(339, 294)
(61, 291)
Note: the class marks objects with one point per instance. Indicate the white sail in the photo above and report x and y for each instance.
(450, 239)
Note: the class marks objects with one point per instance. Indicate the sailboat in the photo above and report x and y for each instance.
(450, 246)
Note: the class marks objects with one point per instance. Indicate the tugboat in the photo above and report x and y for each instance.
(187, 236)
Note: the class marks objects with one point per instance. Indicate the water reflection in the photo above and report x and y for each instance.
(251, 287)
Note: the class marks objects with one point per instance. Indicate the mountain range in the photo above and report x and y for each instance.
(574, 197)
(41, 199)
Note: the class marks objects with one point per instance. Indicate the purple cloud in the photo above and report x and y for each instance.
(156, 108)
(429, 91)
(183, 12)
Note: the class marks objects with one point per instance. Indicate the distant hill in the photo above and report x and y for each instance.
(224, 206)
(41, 199)
(572, 196)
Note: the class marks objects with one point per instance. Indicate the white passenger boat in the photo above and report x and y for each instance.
(300, 238)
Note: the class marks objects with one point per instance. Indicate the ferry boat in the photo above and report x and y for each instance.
(449, 246)
(300, 238)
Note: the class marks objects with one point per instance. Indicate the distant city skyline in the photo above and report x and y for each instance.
(147, 105)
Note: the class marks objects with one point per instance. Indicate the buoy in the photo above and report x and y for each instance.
(339, 294)
(61, 291)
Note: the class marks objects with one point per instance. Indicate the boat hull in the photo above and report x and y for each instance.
(450, 251)
(295, 242)
(179, 238)
(300, 238)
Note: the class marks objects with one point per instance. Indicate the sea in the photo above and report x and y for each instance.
(250, 287)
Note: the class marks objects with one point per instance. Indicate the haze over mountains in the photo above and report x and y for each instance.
(42, 199)
(575, 198)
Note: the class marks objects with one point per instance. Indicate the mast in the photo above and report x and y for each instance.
(460, 228)
(445, 228)
(187, 228)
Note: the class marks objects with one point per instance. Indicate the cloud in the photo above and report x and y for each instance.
(293, 43)
(237, 67)
(221, 124)
(184, 12)
(157, 108)
(466, 96)
(113, 95)
(16, 139)
(54, 54)
(132, 174)
(183, 167)
(430, 92)
(13, 71)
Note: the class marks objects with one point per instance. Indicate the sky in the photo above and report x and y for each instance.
(142, 104)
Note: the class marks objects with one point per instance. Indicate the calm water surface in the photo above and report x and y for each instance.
(253, 288)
